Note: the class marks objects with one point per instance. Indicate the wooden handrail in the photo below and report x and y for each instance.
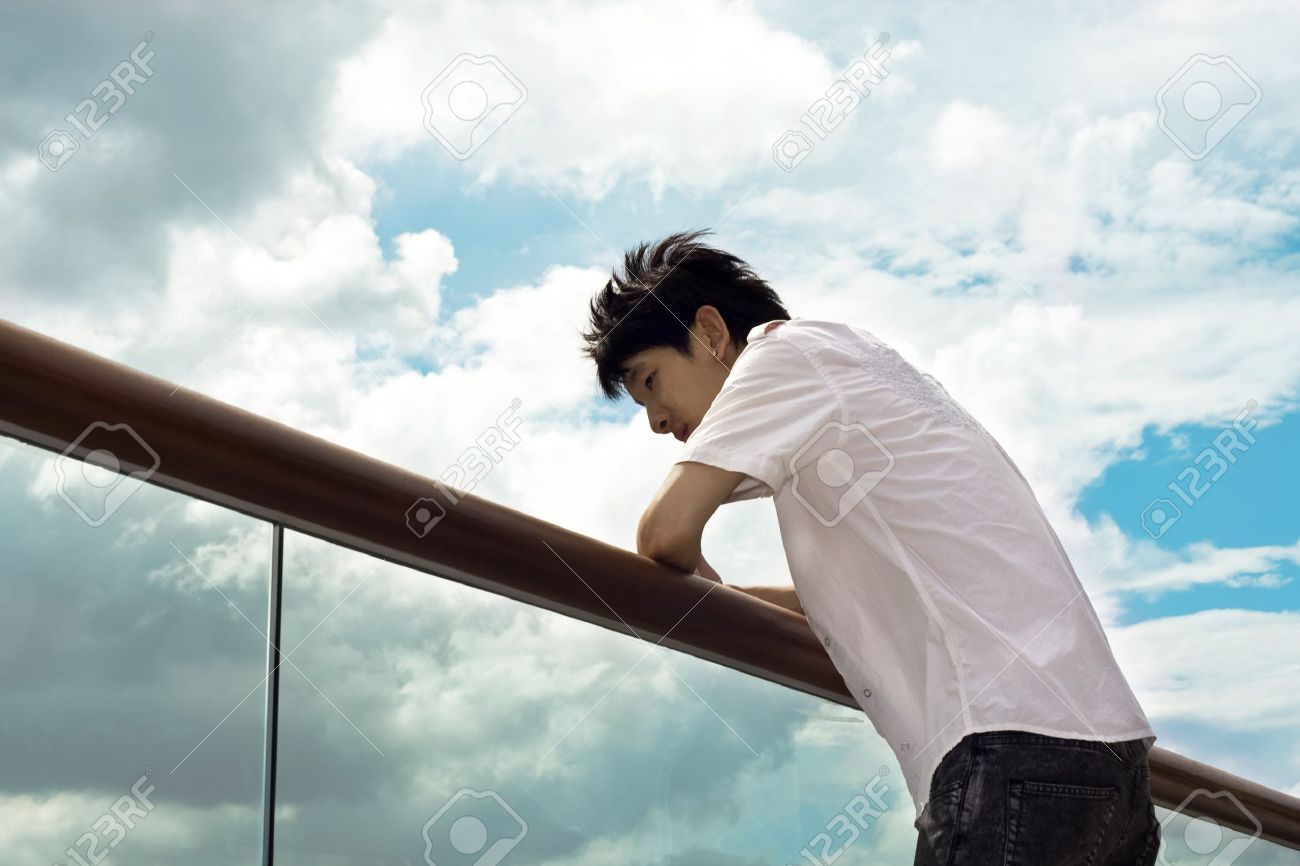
(52, 392)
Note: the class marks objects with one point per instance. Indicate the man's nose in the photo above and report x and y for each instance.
(659, 421)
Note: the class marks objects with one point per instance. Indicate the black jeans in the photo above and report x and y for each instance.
(1015, 798)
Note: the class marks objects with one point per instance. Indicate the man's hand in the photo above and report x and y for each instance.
(706, 570)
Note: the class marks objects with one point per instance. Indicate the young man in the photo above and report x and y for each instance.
(919, 555)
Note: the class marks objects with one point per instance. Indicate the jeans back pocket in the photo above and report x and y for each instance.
(1049, 819)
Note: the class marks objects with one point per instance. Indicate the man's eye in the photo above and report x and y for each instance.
(647, 380)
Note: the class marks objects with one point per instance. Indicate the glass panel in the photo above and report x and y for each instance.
(1186, 841)
(423, 721)
(133, 701)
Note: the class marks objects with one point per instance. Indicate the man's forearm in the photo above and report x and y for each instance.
(683, 555)
(784, 596)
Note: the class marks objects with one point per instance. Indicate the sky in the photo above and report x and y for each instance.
(1086, 233)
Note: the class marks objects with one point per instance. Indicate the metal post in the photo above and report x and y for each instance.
(272, 693)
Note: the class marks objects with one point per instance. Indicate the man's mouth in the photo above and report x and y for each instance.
(682, 432)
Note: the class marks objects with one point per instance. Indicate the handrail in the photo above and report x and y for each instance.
(51, 392)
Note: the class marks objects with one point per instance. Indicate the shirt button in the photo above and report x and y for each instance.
(828, 640)
(866, 693)
(905, 745)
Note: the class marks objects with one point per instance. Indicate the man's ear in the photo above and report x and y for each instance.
(713, 328)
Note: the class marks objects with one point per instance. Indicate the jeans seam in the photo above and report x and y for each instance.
(1145, 855)
(1108, 749)
(1132, 806)
(961, 805)
(1092, 855)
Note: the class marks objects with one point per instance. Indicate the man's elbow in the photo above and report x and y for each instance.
(651, 535)
(644, 539)
(667, 546)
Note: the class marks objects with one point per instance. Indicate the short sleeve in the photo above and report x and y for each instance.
(771, 405)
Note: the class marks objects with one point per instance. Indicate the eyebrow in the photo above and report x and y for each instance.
(628, 376)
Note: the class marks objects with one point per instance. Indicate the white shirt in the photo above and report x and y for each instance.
(918, 551)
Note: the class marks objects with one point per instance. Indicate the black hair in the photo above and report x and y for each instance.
(683, 275)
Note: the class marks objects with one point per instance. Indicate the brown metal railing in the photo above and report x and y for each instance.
(51, 392)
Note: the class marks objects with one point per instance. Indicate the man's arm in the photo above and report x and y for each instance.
(783, 596)
(673, 523)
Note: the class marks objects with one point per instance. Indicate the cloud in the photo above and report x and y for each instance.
(1214, 684)
(226, 125)
(663, 99)
(1156, 571)
(37, 829)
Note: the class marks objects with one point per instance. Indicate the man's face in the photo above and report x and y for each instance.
(677, 390)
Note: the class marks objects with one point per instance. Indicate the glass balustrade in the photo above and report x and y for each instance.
(1188, 841)
(420, 720)
(430, 722)
(131, 722)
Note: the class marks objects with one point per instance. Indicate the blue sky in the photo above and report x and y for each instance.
(1252, 504)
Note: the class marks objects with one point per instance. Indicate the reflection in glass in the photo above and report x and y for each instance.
(133, 700)
(1186, 841)
(426, 721)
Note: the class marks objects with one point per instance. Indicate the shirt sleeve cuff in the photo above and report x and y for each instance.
(764, 470)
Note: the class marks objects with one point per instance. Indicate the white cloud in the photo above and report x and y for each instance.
(33, 830)
(1226, 671)
(1154, 570)
(969, 137)
(689, 96)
